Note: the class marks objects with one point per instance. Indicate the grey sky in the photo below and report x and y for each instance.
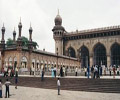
(76, 14)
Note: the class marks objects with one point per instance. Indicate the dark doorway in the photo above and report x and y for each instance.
(115, 54)
(84, 55)
(71, 52)
(100, 55)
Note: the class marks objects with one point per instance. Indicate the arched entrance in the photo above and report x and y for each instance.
(100, 55)
(115, 54)
(84, 56)
(71, 52)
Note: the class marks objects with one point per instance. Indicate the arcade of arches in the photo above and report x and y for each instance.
(37, 60)
(99, 55)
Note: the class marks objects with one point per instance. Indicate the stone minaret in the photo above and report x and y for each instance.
(19, 40)
(30, 47)
(14, 36)
(3, 40)
(58, 32)
(3, 32)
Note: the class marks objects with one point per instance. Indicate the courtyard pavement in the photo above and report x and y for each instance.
(27, 93)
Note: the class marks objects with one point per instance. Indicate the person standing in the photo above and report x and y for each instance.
(42, 74)
(0, 89)
(110, 70)
(58, 85)
(61, 72)
(7, 83)
(55, 71)
(114, 73)
(76, 71)
(118, 70)
(96, 71)
(85, 71)
(92, 72)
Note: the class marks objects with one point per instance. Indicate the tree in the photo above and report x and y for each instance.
(9, 42)
(25, 42)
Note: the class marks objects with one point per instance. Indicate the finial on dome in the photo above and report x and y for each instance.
(20, 24)
(58, 19)
(20, 19)
(58, 11)
(3, 28)
(14, 32)
(30, 29)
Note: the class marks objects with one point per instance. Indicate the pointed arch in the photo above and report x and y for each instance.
(99, 54)
(71, 52)
(115, 54)
(84, 56)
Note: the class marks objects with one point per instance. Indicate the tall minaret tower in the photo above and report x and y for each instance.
(58, 32)
(19, 39)
(30, 47)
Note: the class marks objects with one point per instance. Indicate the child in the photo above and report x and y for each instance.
(0, 89)
(58, 84)
(7, 83)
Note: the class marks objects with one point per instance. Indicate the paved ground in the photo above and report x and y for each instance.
(26, 93)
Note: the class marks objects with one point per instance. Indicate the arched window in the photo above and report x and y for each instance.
(100, 55)
(84, 56)
(24, 62)
(71, 52)
(115, 54)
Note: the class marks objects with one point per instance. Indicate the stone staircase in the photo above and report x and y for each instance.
(74, 84)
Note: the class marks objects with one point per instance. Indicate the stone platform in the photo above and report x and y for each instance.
(28, 93)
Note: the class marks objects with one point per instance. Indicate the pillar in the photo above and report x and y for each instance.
(108, 61)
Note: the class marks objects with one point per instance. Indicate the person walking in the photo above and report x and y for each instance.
(7, 83)
(0, 89)
(16, 80)
(58, 85)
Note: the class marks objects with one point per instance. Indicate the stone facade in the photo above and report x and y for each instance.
(97, 43)
(29, 58)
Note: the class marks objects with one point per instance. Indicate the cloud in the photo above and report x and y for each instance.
(76, 14)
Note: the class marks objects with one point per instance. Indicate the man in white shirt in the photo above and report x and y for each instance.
(58, 84)
(76, 70)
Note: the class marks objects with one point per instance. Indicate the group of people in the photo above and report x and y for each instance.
(7, 71)
(7, 83)
(96, 71)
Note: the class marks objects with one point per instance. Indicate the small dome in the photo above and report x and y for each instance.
(58, 20)
(58, 27)
(20, 25)
(30, 29)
